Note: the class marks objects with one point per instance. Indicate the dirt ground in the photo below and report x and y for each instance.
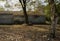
(27, 33)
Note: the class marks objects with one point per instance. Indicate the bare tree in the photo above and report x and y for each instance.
(54, 18)
(24, 3)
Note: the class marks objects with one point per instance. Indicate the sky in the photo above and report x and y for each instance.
(12, 2)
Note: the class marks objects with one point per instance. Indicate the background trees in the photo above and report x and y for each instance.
(35, 6)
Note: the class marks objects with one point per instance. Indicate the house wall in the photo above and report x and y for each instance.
(31, 19)
(37, 19)
(10, 19)
(6, 19)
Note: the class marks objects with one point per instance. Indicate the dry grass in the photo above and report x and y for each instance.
(26, 33)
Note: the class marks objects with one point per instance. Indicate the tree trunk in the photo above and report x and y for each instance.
(23, 3)
(54, 18)
(53, 26)
(26, 16)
